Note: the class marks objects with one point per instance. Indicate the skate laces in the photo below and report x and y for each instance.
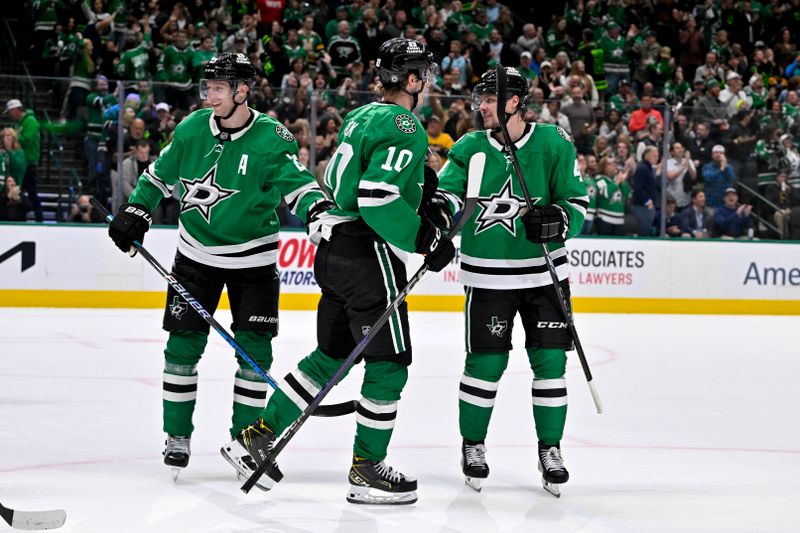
(177, 445)
(475, 454)
(389, 473)
(552, 459)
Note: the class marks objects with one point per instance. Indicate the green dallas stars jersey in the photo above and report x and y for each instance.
(611, 200)
(229, 190)
(494, 251)
(376, 172)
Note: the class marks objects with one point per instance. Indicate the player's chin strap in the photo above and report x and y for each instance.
(414, 96)
(235, 103)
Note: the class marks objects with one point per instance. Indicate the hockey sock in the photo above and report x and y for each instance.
(299, 389)
(377, 408)
(184, 349)
(482, 373)
(549, 393)
(250, 389)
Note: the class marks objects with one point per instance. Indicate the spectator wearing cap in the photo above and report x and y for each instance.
(625, 100)
(710, 109)
(709, 70)
(615, 62)
(733, 97)
(545, 80)
(646, 53)
(718, 176)
(161, 127)
(742, 138)
(638, 122)
(29, 135)
(439, 141)
(732, 219)
(331, 28)
(757, 92)
(97, 103)
(526, 68)
(692, 49)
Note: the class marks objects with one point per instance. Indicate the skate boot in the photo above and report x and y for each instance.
(473, 463)
(551, 465)
(176, 454)
(376, 483)
(248, 450)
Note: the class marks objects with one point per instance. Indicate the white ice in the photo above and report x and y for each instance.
(701, 431)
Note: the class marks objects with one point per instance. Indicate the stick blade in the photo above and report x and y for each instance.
(38, 520)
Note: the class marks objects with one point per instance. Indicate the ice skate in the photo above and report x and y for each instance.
(473, 463)
(551, 465)
(376, 483)
(253, 441)
(176, 454)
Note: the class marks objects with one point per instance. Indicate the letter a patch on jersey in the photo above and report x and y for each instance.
(204, 194)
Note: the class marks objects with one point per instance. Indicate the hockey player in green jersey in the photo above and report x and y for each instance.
(375, 178)
(232, 165)
(504, 271)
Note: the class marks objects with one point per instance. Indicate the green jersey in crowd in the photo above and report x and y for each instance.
(591, 193)
(611, 200)
(495, 254)
(229, 190)
(377, 171)
(175, 65)
(134, 64)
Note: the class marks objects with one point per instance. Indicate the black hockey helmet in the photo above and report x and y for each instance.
(399, 57)
(516, 84)
(231, 67)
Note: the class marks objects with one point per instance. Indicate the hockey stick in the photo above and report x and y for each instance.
(339, 409)
(502, 97)
(33, 520)
(475, 173)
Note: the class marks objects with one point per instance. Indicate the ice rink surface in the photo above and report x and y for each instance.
(701, 431)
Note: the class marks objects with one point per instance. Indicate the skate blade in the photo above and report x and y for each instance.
(552, 488)
(175, 473)
(473, 483)
(373, 496)
(265, 483)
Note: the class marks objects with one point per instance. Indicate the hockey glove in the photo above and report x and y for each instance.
(315, 220)
(437, 210)
(130, 224)
(435, 245)
(546, 223)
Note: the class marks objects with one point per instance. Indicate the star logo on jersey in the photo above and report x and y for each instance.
(497, 327)
(501, 209)
(204, 194)
(177, 308)
(405, 123)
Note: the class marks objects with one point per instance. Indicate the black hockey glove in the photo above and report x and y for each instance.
(130, 224)
(437, 210)
(315, 220)
(546, 223)
(435, 245)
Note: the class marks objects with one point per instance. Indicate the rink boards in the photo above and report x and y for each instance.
(78, 266)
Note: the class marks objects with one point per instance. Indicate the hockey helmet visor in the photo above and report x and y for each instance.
(516, 84)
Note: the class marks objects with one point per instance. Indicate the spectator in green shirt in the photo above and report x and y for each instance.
(28, 131)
